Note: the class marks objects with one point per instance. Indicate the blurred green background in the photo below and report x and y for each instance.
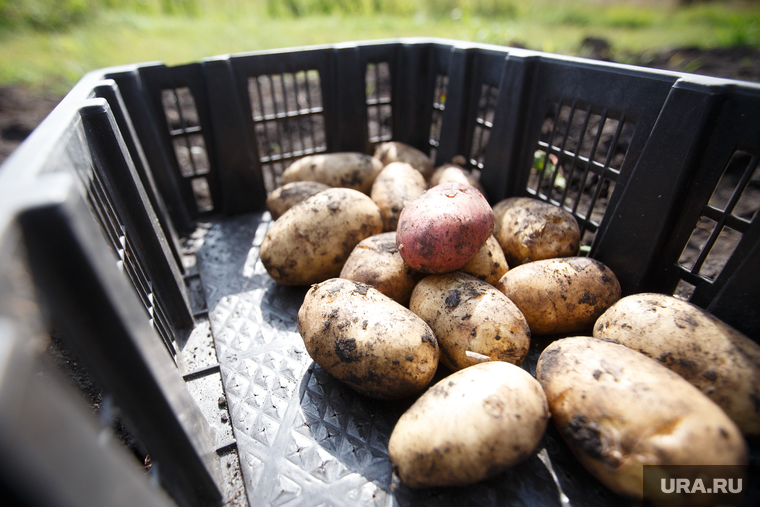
(51, 43)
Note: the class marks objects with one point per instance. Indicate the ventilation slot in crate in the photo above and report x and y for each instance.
(288, 120)
(723, 220)
(578, 159)
(127, 261)
(483, 124)
(377, 80)
(189, 146)
(439, 105)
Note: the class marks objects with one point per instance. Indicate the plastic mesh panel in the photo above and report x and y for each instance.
(377, 79)
(288, 120)
(578, 159)
(121, 245)
(189, 146)
(483, 124)
(723, 220)
(439, 105)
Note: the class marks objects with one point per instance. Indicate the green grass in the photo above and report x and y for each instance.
(116, 32)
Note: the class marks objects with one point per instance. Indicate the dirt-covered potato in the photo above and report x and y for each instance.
(443, 228)
(473, 424)
(498, 213)
(397, 184)
(394, 151)
(530, 230)
(561, 295)
(377, 262)
(716, 358)
(489, 263)
(471, 319)
(456, 173)
(342, 169)
(367, 340)
(285, 197)
(310, 242)
(619, 410)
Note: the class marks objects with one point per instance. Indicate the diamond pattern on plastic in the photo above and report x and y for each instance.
(305, 438)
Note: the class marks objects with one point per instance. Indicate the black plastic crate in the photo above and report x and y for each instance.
(162, 173)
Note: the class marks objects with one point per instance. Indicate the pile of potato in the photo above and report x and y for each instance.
(410, 266)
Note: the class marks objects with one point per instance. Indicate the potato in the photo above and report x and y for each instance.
(367, 340)
(397, 184)
(489, 263)
(310, 242)
(285, 197)
(394, 151)
(442, 229)
(531, 230)
(719, 360)
(377, 262)
(456, 173)
(473, 424)
(619, 410)
(471, 319)
(344, 169)
(561, 295)
(499, 209)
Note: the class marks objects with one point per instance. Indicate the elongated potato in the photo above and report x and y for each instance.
(397, 184)
(561, 295)
(367, 340)
(312, 240)
(719, 360)
(343, 169)
(455, 173)
(473, 424)
(376, 261)
(619, 410)
(285, 197)
(394, 151)
(442, 229)
(531, 230)
(489, 263)
(471, 319)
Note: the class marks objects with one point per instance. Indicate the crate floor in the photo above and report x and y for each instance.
(304, 438)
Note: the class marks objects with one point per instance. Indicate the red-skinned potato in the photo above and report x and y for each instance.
(442, 229)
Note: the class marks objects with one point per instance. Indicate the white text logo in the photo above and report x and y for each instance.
(698, 486)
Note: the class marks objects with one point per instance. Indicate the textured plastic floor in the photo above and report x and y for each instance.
(306, 439)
